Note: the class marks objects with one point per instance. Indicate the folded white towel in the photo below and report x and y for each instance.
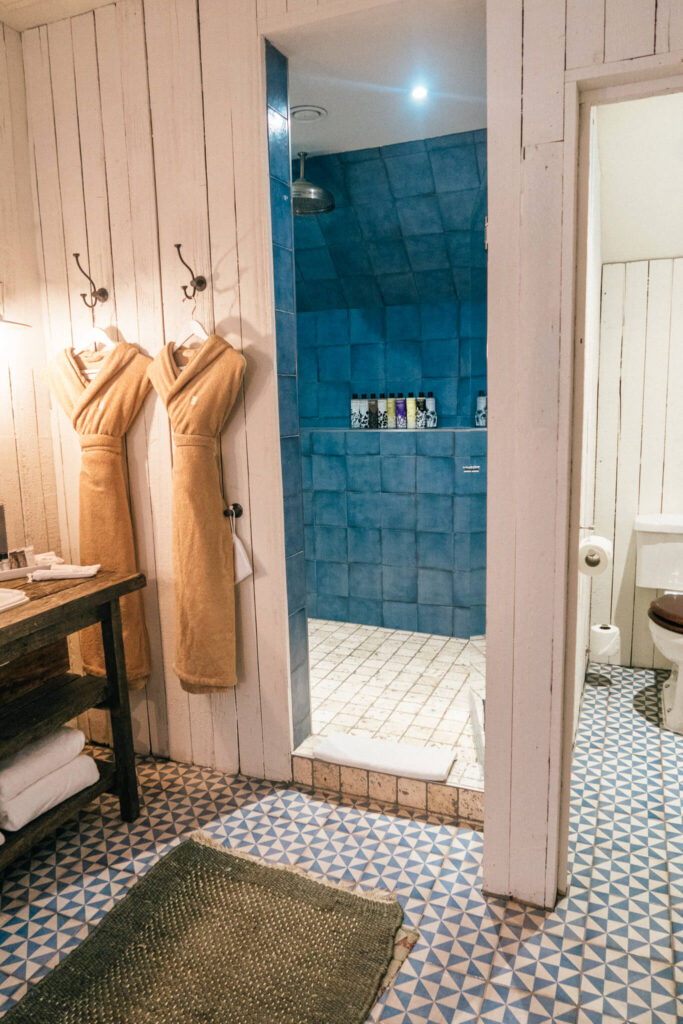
(38, 759)
(48, 792)
(65, 572)
(11, 598)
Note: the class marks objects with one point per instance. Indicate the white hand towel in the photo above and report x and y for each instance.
(48, 792)
(11, 598)
(37, 760)
(65, 572)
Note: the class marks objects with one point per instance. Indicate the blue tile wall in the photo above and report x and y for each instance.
(438, 347)
(396, 528)
(296, 501)
(408, 226)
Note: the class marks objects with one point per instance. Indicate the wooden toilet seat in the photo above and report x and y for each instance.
(667, 612)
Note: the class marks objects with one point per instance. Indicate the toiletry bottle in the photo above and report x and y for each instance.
(372, 413)
(363, 410)
(382, 412)
(391, 411)
(421, 415)
(401, 411)
(480, 414)
(411, 411)
(431, 409)
(355, 412)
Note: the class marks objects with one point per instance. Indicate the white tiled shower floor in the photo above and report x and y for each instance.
(396, 685)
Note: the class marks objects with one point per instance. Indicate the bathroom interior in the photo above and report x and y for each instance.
(387, 310)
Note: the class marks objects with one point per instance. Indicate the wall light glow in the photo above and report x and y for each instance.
(419, 93)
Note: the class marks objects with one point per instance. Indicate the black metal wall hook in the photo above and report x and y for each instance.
(233, 511)
(96, 294)
(198, 282)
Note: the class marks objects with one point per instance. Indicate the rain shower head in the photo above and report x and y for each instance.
(307, 198)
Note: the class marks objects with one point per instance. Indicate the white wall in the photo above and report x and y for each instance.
(147, 128)
(639, 433)
(641, 143)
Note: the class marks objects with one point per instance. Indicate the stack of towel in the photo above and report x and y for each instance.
(43, 774)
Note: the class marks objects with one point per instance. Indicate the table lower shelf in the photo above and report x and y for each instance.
(29, 712)
(18, 843)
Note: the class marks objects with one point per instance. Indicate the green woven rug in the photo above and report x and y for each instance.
(207, 937)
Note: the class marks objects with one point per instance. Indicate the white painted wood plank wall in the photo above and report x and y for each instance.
(133, 112)
(640, 413)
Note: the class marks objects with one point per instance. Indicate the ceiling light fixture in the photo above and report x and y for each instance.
(308, 112)
(419, 93)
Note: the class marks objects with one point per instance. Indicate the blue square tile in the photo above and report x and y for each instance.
(315, 264)
(367, 182)
(290, 453)
(278, 146)
(307, 233)
(285, 334)
(455, 169)
(447, 393)
(365, 611)
(448, 141)
(307, 473)
(435, 442)
(363, 510)
(419, 215)
(388, 256)
(365, 581)
(459, 244)
(318, 295)
(333, 578)
(463, 520)
(461, 588)
(281, 213)
(462, 282)
(298, 639)
(434, 475)
(461, 622)
(329, 508)
(364, 546)
(403, 360)
(478, 511)
(362, 473)
(478, 586)
(306, 330)
(398, 547)
(378, 220)
(398, 473)
(398, 442)
(478, 620)
(283, 272)
(470, 443)
(435, 285)
(473, 319)
(308, 507)
(458, 209)
(329, 473)
(330, 544)
(439, 320)
(332, 327)
(435, 586)
(350, 259)
(470, 482)
(397, 289)
(367, 363)
(427, 252)
(399, 511)
(340, 226)
(294, 524)
(403, 148)
(355, 156)
(276, 79)
(434, 512)
(361, 290)
(334, 401)
(327, 442)
(403, 322)
(399, 615)
(410, 174)
(366, 326)
(440, 358)
(306, 442)
(478, 550)
(435, 550)
(296, 581)
(334, 363)
(329, 606)
(399, 583)
(287, 405)
(309, 542)
(362, 442)
(462, 554)
(435, 619)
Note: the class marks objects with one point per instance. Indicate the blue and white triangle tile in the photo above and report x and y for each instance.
(12, 990)
(504, 1005)
(545, 964)
(629, 988)
(33, 941)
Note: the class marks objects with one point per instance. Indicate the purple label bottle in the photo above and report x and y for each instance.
(401, 417)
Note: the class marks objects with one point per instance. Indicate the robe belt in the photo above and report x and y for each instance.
(106, 442)
(197, 441)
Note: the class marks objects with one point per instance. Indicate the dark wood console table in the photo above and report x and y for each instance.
(30, 710)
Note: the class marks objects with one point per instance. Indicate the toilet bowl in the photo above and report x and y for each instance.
(666, 629)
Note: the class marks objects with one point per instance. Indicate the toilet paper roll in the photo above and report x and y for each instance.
(604, 642)
(595, 554)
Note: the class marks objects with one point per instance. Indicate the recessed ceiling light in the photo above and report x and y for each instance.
(419, 93)
(308, 112)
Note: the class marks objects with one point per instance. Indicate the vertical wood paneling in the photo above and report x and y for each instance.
(672, 488)
(543, 96)
(585, 41)
(629, 28)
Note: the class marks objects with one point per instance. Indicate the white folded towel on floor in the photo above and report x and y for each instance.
(38, 759)
(430, 764)
(11, 598)
(65, 572)
(46, 793)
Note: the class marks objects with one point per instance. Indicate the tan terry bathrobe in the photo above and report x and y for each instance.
(101, 411)
(199, 396)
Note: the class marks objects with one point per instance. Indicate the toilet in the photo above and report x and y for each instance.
(659, 565)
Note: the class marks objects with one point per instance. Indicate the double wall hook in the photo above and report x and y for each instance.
(197, 283)
(96, 294)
